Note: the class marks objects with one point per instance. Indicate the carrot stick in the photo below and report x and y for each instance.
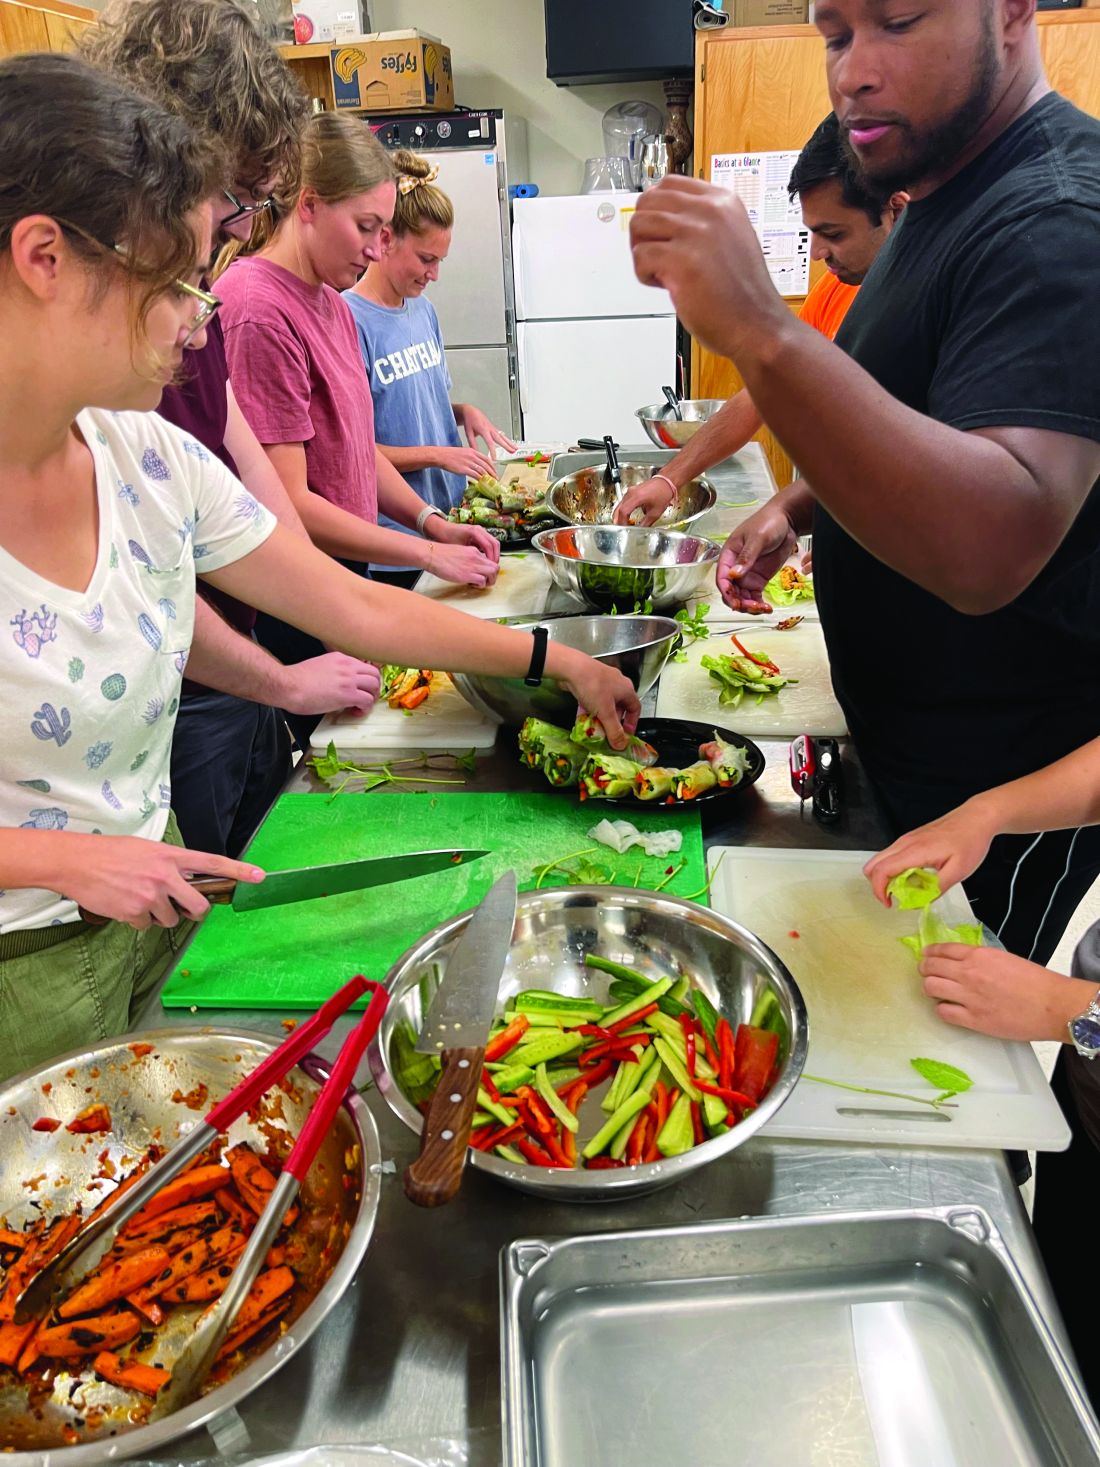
(171, 1243)
(154, 1229)
(189, 1186)
(111, 1283)
(242, 1336)
(149, 1307)
(201, 1286)
(8, 1239)
(268, 1287)
(13, 1340)
(237, 1212)
(131, 1374)
(192, 1259)
(255, 1182)
(77, 1337)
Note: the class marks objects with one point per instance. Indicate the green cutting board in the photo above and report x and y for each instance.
(295, 956)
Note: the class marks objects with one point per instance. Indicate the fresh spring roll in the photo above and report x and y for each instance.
(729, 761)
(562, 761)
(653, 783)
(641, 752)
(696, 779)
(608, 777)
(588, 730)
(533, 737)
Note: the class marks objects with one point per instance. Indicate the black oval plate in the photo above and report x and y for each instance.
(677, 742)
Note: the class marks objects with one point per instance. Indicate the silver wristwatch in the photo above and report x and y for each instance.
(1084, 1031)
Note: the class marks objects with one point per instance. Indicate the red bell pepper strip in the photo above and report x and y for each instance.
(508, 1038)
(688, 1029)
(535, 1111)
(708, 1048)
(595, 1031)
(490, 1136)
(755, 1054)
(602, 1163)
(635, 1147)
(573, 1094)
(487, 1082)
(618, 1048)
(673, 1097)
(569, 1146)
(726, 1053)
(554, 1147)
(757, 657)
(632, 1019)
(598, 1074)
(661, 1105)
(697, 1123)
(731, 1097)
(534, 1154)
(651, 1152)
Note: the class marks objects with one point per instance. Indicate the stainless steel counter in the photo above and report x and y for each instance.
(410, 1357)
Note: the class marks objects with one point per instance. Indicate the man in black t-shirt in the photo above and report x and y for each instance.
(950, 440)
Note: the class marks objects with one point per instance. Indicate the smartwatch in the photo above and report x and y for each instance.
(540, 636)
(1084, 1031)
(425, 515)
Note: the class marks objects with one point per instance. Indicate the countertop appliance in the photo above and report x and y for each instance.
(479, 154)
(593, 342)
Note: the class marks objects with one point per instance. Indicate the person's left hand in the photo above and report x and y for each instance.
(997, 993)
(476, 425)
(696, 241)
(445, 533)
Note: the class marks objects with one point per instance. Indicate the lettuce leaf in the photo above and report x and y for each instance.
(788, 586)
(910, 890)
(933, 929)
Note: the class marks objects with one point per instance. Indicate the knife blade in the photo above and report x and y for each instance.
(307, 883)
(457, 1026)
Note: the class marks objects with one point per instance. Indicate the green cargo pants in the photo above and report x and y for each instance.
(85, 987)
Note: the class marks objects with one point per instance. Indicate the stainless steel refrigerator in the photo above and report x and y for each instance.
(479, 154)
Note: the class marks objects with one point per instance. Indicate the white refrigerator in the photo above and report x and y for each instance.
(593, 343)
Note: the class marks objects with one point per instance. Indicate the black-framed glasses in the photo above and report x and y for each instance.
(243, 211)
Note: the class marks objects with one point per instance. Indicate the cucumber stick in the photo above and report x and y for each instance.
(715, 1109)
(510, 1077)
(632, 1078)
(607, 1132)
(645, 1086)
(674, 1035)
(546, 1046)
(642, 1000)
(677, 1134)
(676, 1067)
(509, 1153)
(486, 1102)
(554, 1101)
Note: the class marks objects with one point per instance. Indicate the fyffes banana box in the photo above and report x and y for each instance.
(394, 71)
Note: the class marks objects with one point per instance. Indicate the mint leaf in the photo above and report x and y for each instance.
(942, 1076)
(467, 761)
(918, 887)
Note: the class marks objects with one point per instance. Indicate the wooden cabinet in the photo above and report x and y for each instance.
(48, 27)
(764, 88)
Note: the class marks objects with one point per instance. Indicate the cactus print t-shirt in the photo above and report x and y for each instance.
(91, 678)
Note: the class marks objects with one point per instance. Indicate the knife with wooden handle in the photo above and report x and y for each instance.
(457, 1027)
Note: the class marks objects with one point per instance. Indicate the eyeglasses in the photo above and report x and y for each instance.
(243, 211)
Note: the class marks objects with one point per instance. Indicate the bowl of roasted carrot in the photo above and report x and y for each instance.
(638, 1036)
(79, 1381)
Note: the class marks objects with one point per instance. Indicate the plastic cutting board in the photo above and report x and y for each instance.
(868, 1013)
(522, 588)
(296, 956)
(686, 689)
(444, 721)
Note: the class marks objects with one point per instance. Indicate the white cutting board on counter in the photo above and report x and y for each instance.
(444, 722)
(868, 1014)
(686, 689)
(522, 588)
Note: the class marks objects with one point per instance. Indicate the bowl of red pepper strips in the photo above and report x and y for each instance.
(638, 1036)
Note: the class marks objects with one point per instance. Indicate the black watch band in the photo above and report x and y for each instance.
(540, 636)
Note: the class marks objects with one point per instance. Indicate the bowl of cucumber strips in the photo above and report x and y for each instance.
(638, 1036)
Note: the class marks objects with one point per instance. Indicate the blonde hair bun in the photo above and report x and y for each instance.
(420, 203)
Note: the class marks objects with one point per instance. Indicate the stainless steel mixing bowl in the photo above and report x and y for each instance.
(638, 646)
(588, 497)
(657, 935)
(618, 567)
(666, 430)
(151, 1097)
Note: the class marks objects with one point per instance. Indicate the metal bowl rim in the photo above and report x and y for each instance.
(527, 622)
(710, 553)
(653, 412)
(607, 1184)
(160, 1433)
(710, 495)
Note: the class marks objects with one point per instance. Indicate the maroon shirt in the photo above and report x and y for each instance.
(198, 406)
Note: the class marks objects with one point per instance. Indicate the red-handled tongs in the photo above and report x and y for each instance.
(98, 1233)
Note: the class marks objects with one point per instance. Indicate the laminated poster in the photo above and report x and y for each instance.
(760, 182)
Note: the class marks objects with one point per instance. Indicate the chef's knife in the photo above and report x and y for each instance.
(457, 1026)
(306, 883)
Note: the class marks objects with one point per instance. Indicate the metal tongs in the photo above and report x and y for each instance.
(614, 473)
(674, 403)
(98, 1233)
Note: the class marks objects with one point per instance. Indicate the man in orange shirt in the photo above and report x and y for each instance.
(848, 223)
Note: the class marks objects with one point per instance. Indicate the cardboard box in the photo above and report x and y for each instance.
(327, 20)
(393, 71)
(768, 12)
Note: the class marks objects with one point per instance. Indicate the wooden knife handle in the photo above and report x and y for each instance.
(216, 889)
(436, 1174)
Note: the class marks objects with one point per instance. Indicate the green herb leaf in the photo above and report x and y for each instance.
(694, 627)
(467, 761)
(680, 656)
(942, 1076)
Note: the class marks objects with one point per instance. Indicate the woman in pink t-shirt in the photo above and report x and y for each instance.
(298, 375)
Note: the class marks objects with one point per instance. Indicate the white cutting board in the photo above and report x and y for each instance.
(686, 689)
(868, 1013)
(444, 722)
(522, 588)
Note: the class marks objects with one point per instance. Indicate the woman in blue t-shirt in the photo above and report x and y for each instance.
(415, 421)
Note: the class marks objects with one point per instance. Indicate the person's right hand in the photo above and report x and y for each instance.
(466, 461)
(463, 564)
(652, 498)
(600, 690)
(137, 881)
(954, 846)
(752, 555)
(331, 684)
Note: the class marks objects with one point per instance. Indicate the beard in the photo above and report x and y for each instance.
(933, 151)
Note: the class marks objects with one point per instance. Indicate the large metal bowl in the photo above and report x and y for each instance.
(666, 430)
(657, 935)
(638, 646)
(621, 566)
(148, 1099)
(588, 497)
